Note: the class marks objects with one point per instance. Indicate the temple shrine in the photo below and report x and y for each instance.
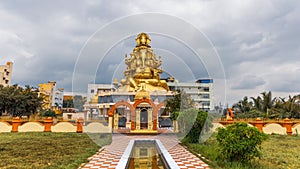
(137, 102)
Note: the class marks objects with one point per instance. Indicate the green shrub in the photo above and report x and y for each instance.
(48, 113)
(240, 142)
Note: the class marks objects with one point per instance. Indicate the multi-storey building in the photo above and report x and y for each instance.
(57, 99)
(5, 74)
(100, 89)
(53, 97)
(200, 91)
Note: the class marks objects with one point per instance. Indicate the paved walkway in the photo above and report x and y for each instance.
(110, 155)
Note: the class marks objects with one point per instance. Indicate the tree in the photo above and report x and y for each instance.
(243, 106)
(78, 102)
(48, 113)
(193, 122)
(31, 101)
(68, 103)
(181, 101)
(267, 101)
(291, 107)
(3, 97)
(19, 101)
(269, 107)
(257, 103)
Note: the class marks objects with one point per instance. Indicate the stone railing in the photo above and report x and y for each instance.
(285, 126)
(48, 125)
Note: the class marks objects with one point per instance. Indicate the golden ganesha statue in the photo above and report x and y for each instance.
(142, 72)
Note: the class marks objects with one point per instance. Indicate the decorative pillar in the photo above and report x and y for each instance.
(101, 112)
(150, 122)
(88, 112)
(132, 119)
(79, 125)
(16, 122)
(155, 117)
(259, 124)
(154, 124)
(287, 123)
(127, 112)
(98, 111)
(110, 120)
(91, 114)
(128, 123)
(48, 122)
(137, 119)
(85, 114)
(116, 121)
(155, 112)
(107, 110)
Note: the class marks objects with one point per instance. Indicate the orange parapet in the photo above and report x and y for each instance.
(48, 122)
(79, 125)
(258, 124)
(288, 124)
(16, 122)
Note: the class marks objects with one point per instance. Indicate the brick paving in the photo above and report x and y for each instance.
(109, 156)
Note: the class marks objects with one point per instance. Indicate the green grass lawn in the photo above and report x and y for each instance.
(47, 150)
(278, 152)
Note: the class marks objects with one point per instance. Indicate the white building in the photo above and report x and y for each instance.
(200, 91)
(94, 89)
(57, 99)
(5, 74)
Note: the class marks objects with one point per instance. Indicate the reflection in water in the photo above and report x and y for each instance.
(145, 156)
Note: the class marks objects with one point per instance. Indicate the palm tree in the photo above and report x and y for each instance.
(292, 106)
(243, 106)
(267, 101)
(257, 103)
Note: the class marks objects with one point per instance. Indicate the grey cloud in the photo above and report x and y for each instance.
(257, 41)
(248, 82)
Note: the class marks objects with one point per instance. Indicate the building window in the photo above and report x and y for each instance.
(92, 91)
(205, 96)
(206, 103)
(206, 89)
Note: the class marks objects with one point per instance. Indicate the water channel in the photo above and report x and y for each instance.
(144, 155)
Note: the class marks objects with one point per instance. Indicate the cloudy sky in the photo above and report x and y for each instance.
(257, 42)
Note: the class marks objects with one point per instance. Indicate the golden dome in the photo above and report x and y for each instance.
(142, 94)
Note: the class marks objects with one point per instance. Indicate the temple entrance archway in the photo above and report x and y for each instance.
(120, 115)
(141, 116)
